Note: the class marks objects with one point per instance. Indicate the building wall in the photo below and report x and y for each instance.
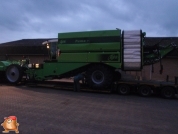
(170, 69)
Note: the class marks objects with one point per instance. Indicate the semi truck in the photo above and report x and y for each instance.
(98, 55)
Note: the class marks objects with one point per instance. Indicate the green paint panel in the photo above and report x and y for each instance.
(107, 40)
(90, 57)
(53, 69)
(104, 57)
(105, 47)
(73, 47)
(73, 57)
(5, 64)
(90, 47)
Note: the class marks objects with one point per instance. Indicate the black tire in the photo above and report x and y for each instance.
(124, 89)
(144, 90)
(168, 92)
(99, 76)
(2, 78)
(13, 73)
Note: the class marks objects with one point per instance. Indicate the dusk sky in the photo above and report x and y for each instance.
(33, 19)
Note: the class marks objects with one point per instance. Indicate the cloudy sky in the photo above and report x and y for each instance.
(26, 19)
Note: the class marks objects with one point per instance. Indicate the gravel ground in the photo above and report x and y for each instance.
(57, 111)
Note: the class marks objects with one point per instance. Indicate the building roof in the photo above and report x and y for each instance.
(26, 42)
(165, 40)
(24, 47)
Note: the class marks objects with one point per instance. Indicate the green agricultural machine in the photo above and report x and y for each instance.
(13, 71)
(96, 54)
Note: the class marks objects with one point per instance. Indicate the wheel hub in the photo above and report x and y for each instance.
(168, 93)
(123, 90)
(12, 74)
(145, 91)
(98, 77)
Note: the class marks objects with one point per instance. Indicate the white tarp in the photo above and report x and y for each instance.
(132, 50)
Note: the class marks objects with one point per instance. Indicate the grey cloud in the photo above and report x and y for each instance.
(160, 13)
(35, 18)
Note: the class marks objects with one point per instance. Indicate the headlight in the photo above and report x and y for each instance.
(29, 65)
(47, 46)
(33, 66)
(37, 65)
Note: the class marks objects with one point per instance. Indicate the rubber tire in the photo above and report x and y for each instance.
(144, 90)
(168, 92)
(123, 89)
(17, 77)
(104, 73)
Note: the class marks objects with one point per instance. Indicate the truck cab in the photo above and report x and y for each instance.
(53, 50)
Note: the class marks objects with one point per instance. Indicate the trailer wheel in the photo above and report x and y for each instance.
(168, 92)
(99, 76)
(144, 90)
(14, 73)
(123, 89)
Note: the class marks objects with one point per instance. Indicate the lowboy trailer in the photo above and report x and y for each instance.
(98, 55)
